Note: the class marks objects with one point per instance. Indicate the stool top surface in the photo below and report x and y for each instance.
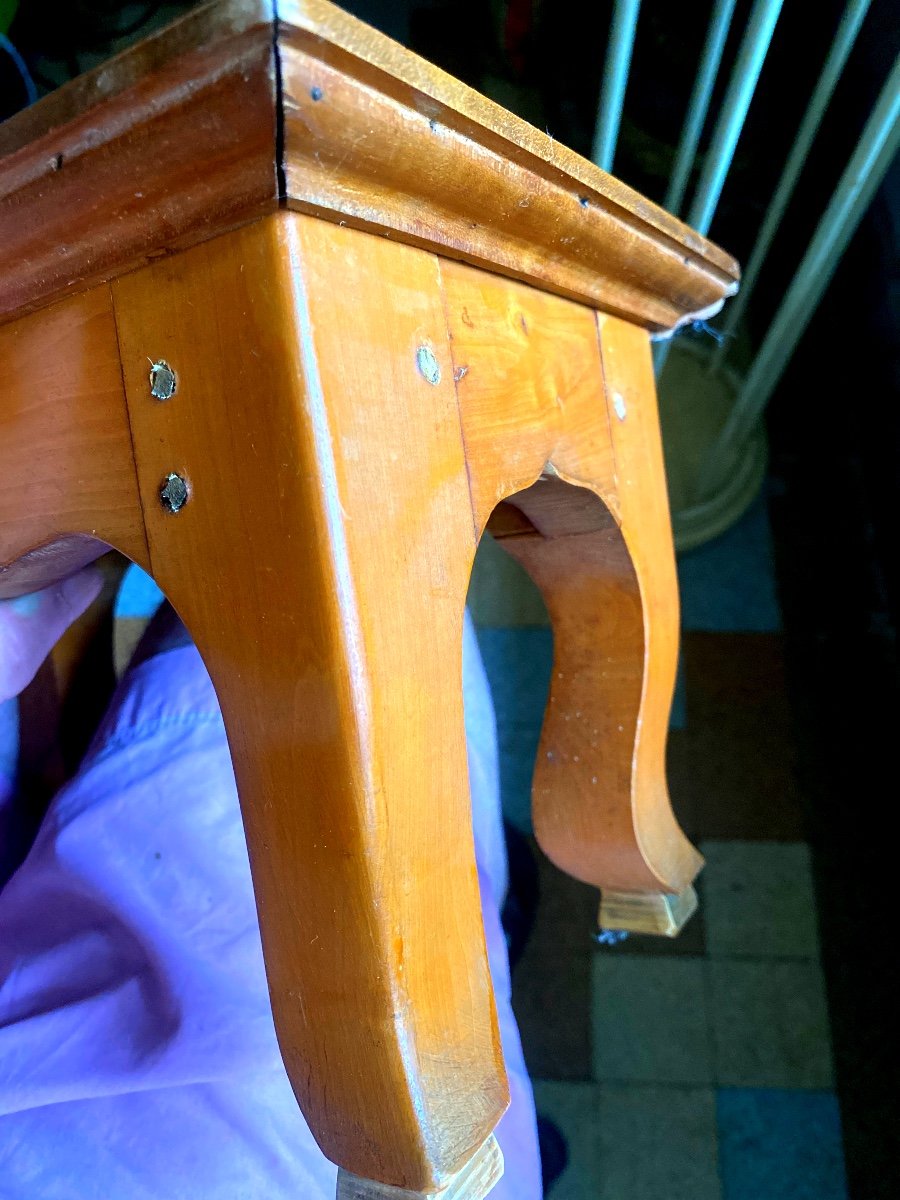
(238, 109)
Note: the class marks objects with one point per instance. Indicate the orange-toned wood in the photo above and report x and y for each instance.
(601, 806)
(530, 387)
(169, 143)
(351, 411)
(534, 406)
(474, 1181)
(344, 447)
(230, 112)
(321, 563)
(68, 488)
(646, 526)
(377, 137)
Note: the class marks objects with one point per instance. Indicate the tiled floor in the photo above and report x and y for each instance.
(710, 1073)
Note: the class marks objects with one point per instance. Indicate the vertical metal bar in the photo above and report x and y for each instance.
(750, 59)
(864, 172)
(746, 71)
(710, 60)
(615, 80)
(21, 66)
(844, 39)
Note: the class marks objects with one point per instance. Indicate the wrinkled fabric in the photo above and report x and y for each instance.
(137, 1051)
(29, 627)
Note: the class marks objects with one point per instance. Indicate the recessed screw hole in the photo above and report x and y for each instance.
(174, 493)
(162, 381)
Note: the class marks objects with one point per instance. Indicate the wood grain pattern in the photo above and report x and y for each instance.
(178, 140)
(475, 1181)
(646, 527)
(537, 419)
(338, 482)
(377, 137)
(166, 145)
(329, 510)
(530, 386)
(68, 488)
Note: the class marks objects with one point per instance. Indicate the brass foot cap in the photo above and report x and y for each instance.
(661, 913)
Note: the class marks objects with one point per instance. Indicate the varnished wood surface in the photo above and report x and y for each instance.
(378, 137)
(68, 487)
(344, 448)
(475, 1181)
(540, 396)
(184, 136)
(646, 526)
(321, 564)
(530, 387)
(168, 144)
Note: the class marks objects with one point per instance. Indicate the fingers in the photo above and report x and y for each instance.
(31, 625)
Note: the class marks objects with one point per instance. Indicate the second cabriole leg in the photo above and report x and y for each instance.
(598, 816)
(542, 396)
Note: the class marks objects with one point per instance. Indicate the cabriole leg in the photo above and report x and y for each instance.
(320, 561)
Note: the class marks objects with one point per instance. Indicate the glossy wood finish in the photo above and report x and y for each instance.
(68, 488)
(229, 113)
(329, 512)
(166, 145)
(344, 448)
(644, 505)
(351, 412)
(377, 137)
(544, 398)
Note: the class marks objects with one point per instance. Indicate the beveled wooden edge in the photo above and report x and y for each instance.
(479, 183)
(199, 129)
(474, 1181)
(166, 145)
(201, 28)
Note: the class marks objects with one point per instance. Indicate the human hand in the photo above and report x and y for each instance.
(31, 625)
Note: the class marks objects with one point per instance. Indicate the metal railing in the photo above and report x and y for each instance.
(877, 146)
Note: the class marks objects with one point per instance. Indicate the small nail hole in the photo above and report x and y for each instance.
(429, 367)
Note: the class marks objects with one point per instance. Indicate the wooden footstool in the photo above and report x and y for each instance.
(289, 318)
